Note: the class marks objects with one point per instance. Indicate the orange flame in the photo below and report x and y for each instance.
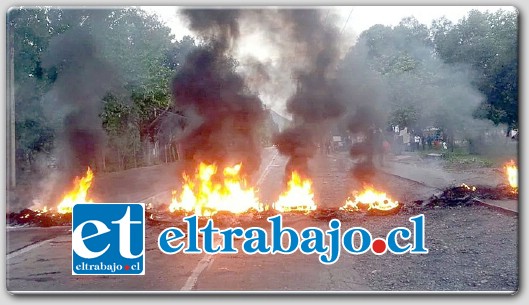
(470, 188)
(77, 194)
(298, 197)
(370, 198)
(44, 210)
(204, 197)
(512, 174)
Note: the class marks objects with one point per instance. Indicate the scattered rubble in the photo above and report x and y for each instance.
(28, 217)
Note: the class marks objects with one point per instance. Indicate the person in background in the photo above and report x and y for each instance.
(378, 141)
(417, 141)
(429, 140)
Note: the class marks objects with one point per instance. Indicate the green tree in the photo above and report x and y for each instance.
(30, 31)
(488, 41)
(398, 55)
(137, 45)
(421, 90)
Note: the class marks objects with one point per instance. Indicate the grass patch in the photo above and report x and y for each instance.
(460, 158)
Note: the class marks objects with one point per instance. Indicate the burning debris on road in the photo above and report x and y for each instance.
(371, 202)
(465, 195)
(499, 192)
(209, 192)
(511, 171)
(78, 194)
(62, 214)
(299, 196)
(459, 195)
(39, 218)
(227, 198)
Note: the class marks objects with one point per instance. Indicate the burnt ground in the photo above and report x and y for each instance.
(471, 248)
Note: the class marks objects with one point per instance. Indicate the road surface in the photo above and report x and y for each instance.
(39, 259)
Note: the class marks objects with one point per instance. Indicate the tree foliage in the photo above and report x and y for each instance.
(449, 73)
(139, 48)
(488, 41)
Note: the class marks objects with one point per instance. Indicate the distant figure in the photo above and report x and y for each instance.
(399, 145)
(386, 149)
(417, 141)
(386, 146)
(378, 142)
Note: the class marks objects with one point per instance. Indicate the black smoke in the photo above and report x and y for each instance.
(367, 112)
(370, 150)
(308, 48)
(318, 98)
(207, 86)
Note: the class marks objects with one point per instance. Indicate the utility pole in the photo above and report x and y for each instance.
(10, 117)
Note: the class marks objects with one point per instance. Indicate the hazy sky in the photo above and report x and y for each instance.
(361, 17)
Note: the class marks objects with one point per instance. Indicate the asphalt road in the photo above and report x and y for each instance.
(39, 259)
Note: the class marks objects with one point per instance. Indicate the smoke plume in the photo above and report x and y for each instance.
(207, 86)
(414, 89)
(308, 50)
(318, 99)
(367, 112)
(76, 97)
